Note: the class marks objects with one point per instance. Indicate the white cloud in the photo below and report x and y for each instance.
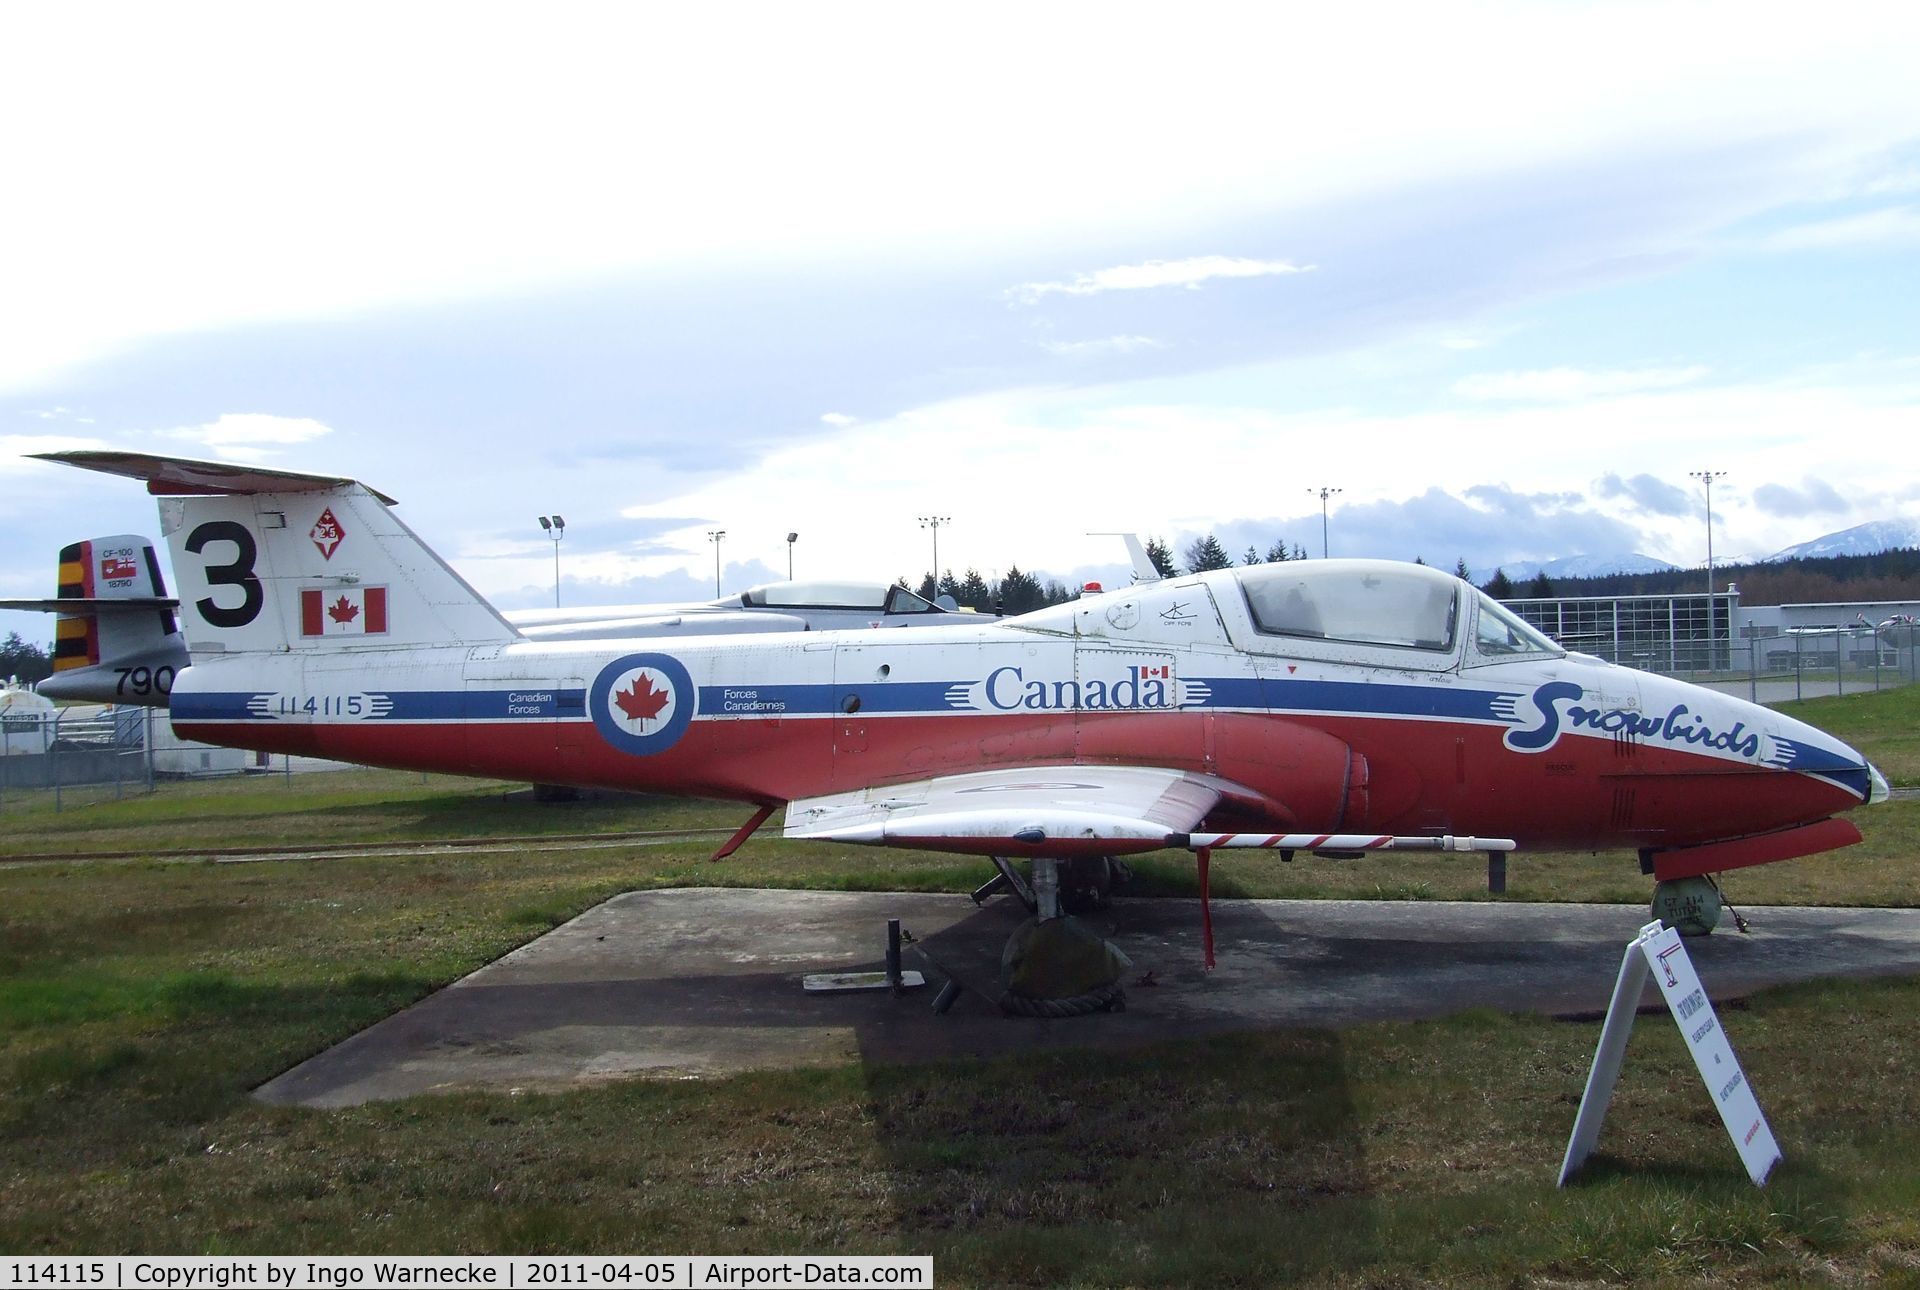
(837, 419)
(250, 436)
(1189, 273)
(13, 447)
(1571, 384)
(1889, 226)
(1190, 467)
(429, 182)
(1105, 345)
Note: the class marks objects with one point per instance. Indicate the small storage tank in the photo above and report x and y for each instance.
(26, 721)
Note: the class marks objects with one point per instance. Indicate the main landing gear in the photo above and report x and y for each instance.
(1054, 964)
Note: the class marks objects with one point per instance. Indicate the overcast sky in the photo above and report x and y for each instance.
(1504, 274)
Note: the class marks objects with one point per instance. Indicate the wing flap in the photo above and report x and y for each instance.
(1047, 810)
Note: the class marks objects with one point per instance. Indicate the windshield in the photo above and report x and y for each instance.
(902, 601)
(1501, 632)
(1363, 602)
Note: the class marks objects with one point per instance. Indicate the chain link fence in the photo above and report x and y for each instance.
(76, 757)
(1807, 664)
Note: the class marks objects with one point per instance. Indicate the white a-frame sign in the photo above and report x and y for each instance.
(1660, 951)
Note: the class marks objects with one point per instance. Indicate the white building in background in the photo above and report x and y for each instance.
(1689, 633)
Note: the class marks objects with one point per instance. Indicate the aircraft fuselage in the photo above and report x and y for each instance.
(1557, 750)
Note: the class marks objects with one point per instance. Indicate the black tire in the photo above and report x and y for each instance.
(1086, 885)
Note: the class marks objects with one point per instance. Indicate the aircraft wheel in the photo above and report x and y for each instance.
(1086, 884)
(1060, 967)
(1690, 904)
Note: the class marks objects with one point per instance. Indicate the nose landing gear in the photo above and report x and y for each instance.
(1693, 905)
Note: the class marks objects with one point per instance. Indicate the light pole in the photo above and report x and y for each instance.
(1707, 477)
(791, 539)
(714, 536)
(934, 522)
(556, 529)
(1325, 493)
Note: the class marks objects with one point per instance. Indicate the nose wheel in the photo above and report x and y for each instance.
(1692, 905)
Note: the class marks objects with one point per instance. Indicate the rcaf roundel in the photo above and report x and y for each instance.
(642, 703)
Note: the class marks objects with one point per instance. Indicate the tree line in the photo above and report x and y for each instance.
(1888, 575)
(1885, 575)
(1019, 592)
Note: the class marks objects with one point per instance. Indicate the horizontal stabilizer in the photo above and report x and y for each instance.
(188, 477)
(91, 604)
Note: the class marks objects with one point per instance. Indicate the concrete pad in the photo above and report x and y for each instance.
(705, 982)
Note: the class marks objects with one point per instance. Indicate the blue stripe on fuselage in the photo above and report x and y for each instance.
(532, 702)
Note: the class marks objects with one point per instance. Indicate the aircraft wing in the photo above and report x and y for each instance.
(1019, 811)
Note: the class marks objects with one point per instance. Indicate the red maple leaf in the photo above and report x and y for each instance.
(642, 702)
(343, 610)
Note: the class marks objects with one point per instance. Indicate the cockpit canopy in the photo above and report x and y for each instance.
(875, 597)
(1361, 602)
(1379, 604)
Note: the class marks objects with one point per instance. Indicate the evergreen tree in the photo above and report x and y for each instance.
(1161, 556)
(1252, 557)
(948, 586)
(1057, 593)
(28, 662)
(1500, 586)
(1204, 553)
(1541, 588)
(973, 592)
(1299, 552)
(1460, 569)
(1278, 553)
(1418, 560)
(928, 588)
(1020, 593)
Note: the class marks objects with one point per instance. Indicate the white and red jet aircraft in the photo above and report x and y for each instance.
(1334, 705)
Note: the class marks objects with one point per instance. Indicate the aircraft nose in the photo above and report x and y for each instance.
(1811, 751)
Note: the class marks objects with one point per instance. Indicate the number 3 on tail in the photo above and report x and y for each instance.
(238, 573)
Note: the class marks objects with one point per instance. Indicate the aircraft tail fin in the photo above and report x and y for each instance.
(1143, 566)
(1140, 566)
(117, 637)
(283, 561)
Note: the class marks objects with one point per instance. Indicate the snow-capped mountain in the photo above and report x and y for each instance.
(1862, 539)
(1584, 566)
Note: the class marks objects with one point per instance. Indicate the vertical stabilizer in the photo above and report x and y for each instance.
(328, 569)
(116, 638)
(273, 561)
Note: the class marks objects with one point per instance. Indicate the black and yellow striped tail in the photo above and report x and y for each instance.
(76, 642)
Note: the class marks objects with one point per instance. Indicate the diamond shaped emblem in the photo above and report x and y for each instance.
(327, 534)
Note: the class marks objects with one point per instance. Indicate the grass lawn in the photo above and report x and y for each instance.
(1885, 725)
(141, 999)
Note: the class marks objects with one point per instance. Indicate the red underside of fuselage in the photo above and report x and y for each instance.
(1409, 776)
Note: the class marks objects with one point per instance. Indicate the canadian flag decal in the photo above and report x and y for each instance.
(343, 611)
